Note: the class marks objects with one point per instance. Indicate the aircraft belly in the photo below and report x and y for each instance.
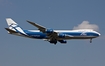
(77, 37)
(83, 37)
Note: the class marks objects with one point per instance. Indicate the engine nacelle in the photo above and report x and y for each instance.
(62, 41)
(53, 41)
(49, 31)
(61, 35)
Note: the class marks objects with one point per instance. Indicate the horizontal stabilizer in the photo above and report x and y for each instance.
(10, 31)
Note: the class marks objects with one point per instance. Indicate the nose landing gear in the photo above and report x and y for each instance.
(90, 40)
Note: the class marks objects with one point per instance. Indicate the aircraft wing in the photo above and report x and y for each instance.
(52, 35)
(41, 28)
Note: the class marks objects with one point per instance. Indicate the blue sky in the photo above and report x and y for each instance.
(56, 14)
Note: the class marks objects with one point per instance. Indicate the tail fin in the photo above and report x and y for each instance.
(14, 26)
(11, 23)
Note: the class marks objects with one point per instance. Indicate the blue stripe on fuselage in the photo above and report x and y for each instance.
(81, 34)
(41, 35)
(38, 35)
(72, 33)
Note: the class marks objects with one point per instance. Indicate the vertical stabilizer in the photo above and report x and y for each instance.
(11, 23)
(14, 26)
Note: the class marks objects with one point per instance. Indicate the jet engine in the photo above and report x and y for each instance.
(49, 31)
(61, 35)
(62, 41)
(53, 41)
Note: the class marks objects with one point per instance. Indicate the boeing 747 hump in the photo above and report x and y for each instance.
(50, 35)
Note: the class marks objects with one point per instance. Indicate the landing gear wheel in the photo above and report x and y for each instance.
(55, 43)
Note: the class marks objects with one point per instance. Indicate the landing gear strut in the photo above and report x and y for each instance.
(90, 40)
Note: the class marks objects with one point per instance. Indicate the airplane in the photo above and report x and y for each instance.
(50, 35)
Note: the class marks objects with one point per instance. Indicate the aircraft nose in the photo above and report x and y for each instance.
(98, 34)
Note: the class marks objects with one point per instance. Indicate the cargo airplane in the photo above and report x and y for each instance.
(50, 35)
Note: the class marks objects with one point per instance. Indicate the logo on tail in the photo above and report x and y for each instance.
(14, 26)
